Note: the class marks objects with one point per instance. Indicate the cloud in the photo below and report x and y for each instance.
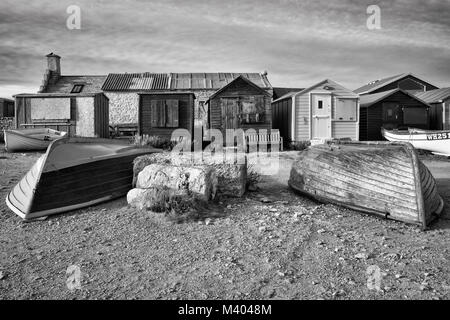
(298, 42)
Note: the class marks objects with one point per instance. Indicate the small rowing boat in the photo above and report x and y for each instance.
(382, 178)
(75, 173)
(30, 139)
(438, 142)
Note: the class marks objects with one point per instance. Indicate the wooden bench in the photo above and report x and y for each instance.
(270, 139)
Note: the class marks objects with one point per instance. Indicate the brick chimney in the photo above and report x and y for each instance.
(53, 71)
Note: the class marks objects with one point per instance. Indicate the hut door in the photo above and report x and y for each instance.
(320, 116)
(230, 113)
(391, 115)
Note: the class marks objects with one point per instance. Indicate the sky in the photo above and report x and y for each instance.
(298, 43)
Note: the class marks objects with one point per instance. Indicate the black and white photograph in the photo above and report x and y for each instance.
(244, 151)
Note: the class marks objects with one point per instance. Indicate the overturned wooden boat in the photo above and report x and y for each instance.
(30, 139)
(438, 142)
(75, 173)
(382, 178)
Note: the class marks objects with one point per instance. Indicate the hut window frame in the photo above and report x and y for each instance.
(160, 115)
(349, 114)
(77, 88)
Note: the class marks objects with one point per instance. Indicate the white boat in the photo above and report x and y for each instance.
(31, 139)
(438, 142)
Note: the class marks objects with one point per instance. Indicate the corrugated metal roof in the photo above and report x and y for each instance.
(177, 81)
(136, 81)
(434, 96)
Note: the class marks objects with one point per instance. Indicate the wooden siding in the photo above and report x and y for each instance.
(101, 116)
(394, 85)
(282, 118)
(185, 116)
(302, 123)
(371, 131)
(344, 129)
(239, 89)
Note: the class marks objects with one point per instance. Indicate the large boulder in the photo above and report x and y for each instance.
(198, 182)
(232, 178)
(160, 199)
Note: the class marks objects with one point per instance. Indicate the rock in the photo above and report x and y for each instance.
(160, 199)
(362, 256)
(265, 200)
(2, 275)
(200, 182)
(320, 231)
(208, 221)
(231, 178)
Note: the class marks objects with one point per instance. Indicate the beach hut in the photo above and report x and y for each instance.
(82, 115)
(323, 111)
(439, 100)
(392, 109)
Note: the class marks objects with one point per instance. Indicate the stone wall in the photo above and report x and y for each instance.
(85, 126)
(123, 107)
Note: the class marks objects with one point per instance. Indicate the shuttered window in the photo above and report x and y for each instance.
(164, 113)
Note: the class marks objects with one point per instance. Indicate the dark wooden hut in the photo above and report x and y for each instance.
(393, 109)
(240, 104)
(162, 113)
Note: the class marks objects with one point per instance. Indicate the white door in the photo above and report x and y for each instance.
(320, 116)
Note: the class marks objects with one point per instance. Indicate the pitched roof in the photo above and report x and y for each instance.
(279, 92)
(92, 84)
(370, 99)
(241, 77)
(377, 84)
(177, 81)
(434, 96)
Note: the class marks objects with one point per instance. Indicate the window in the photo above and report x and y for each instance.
(77, 88)
(252, 109)
(164, 113)
(415, 116)
(320, 104)
(345, 110)
(390, 112)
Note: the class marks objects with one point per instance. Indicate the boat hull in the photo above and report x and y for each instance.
(386, 179)
(44, 191)
(437, 142)
(30, 139)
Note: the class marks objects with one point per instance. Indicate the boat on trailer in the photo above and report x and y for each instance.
(30, 139)
(75, 173)
(438, 142)
(382, 178)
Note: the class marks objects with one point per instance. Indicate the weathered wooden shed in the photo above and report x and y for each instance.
(323, 111)
(81, 115)
(439, 100)
(162, 113)
(393, 109)
(6, 108)
(241, 104)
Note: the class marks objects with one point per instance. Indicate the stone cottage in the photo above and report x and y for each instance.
(127, 91)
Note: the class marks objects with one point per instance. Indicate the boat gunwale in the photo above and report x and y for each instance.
(17, 133)
(53, 144)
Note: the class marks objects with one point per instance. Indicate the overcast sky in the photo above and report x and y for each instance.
(298, 42)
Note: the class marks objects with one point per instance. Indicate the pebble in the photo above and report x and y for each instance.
(320, 231)
(208, 221)
(2, 275)
(362, 256)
